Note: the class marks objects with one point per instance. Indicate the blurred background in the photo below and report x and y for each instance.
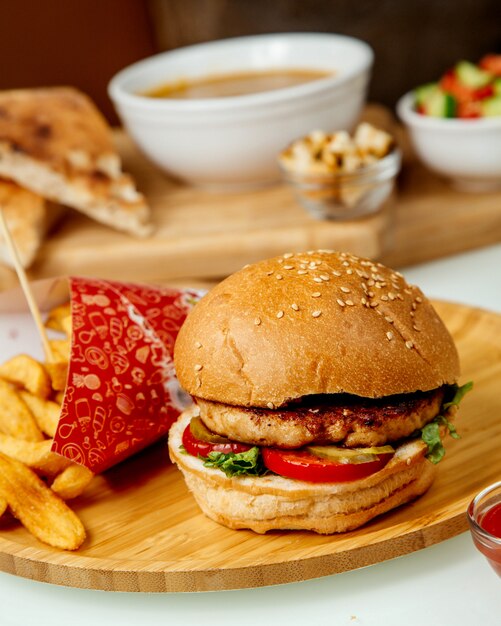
(84, 43)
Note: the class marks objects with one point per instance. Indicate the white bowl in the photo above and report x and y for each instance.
(466, 151)
(235, 140)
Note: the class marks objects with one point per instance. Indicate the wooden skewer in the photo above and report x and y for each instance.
(23, 279)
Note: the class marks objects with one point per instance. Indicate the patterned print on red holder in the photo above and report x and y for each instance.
(122, 393)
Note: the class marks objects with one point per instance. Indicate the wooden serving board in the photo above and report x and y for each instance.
(147, 534)
(205, 236)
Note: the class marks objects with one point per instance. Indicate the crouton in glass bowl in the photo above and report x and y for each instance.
(341, 177)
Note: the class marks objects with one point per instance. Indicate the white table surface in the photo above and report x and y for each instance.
(446, 584)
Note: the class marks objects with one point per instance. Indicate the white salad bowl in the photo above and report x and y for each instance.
(234, 141)
(465, 151)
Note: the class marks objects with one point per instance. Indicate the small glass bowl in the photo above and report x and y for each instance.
(346, 196)
(489, 545)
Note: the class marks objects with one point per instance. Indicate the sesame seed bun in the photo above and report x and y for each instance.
(313, 323)
(272, 502)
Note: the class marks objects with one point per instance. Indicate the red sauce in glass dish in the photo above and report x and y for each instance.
(491, 520)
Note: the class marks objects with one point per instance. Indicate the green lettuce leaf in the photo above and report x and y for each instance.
(430, 433)
(237, 463)
(459, 394)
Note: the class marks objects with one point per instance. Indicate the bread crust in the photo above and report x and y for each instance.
(313, 323)
(29, 217)
(276, 503)
(56, 143)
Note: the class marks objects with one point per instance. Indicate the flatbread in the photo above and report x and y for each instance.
(54, 142)
(28, 217)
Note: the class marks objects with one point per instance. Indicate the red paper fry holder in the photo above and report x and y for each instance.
(122, 393)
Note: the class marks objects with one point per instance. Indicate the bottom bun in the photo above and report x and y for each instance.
(271, 502)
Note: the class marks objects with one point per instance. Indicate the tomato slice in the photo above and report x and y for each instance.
(303, 465)
(197, 447)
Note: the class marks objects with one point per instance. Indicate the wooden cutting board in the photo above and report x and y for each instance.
(201, 235)
(145, 532)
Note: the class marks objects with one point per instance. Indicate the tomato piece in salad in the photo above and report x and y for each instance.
(303, 465)
(491, 63)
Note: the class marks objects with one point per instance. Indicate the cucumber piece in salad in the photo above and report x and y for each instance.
(437, 103)
(471, 75)
(491, 107)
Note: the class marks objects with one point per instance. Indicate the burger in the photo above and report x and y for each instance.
(323, 387)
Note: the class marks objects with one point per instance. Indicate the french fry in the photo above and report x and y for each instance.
(34, 454)
(57, 318)
(38, 508)
(59, 397)
(60, 349)
(72, 481)
(45, 412)
(24, 371)
(58, 373)
(16, 419)
(66, 325)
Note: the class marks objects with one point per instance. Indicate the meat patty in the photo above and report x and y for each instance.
(351, 420)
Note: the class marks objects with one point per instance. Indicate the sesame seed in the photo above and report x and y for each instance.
(316, 313)
(246, 266)
(303, 266)
(325, 277)
(349, 271)
(400, 296)
(302, 272)
(384, 298)
(317, 279)
(363, 301)
(279, 276)
(346, 264)
(389, 334)
(198, 344)
(198, 367)
(388, 319)
(370, 283)
(414, 306)
(312, 265)
(199, 383)
(288, 267)
(280, 314)
(391, 296)
(340, 302)
(288, 255)
(345, 289)
(412, 314)
(257, 321)
(280, 261)
(416, 327)
(316, 294)
(269, 273)
(419, 299)
(409, 344)
(370, 294)
(350, 303)
(374, 304)
(336, 273)
(270, 405)
(294, 306)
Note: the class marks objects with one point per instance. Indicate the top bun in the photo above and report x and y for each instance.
(313, 323)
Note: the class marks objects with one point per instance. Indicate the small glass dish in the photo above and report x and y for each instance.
(346, 195)
(487, 543)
